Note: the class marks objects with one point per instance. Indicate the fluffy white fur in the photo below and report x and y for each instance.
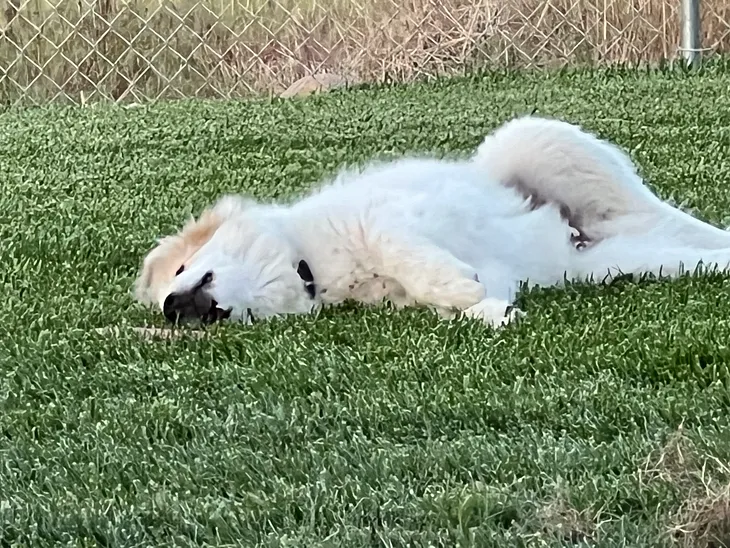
(456, 236)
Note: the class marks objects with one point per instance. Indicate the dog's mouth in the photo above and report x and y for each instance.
(215, 313)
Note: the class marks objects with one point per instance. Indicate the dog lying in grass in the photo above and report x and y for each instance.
(540, 201)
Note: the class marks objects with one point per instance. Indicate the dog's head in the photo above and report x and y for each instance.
(231, 262)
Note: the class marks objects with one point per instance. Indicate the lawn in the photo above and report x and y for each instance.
(600, 419)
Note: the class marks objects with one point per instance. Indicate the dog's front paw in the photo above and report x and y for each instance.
(457, 293)
(494, 312)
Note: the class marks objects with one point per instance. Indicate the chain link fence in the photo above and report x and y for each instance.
(137, 50)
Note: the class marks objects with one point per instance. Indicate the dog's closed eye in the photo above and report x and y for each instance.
(180, 270)
(306, 275)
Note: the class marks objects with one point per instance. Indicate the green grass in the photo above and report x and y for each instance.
(362, 427)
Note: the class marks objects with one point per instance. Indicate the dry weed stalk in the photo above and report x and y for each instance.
(152, 333)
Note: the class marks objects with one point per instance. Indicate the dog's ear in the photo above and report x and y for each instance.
(305, 273)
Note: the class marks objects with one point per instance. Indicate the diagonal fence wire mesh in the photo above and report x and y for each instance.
(135, 50)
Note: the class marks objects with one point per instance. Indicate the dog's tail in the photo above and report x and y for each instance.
(595, 184)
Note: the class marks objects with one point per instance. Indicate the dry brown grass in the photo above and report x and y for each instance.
(706, 522)
(703, 520)
(133, 49)
(560, 520)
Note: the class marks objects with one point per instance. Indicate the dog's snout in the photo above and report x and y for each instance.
(195, 303)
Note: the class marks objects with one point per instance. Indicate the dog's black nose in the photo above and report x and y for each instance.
(170, 308)
(194, 304)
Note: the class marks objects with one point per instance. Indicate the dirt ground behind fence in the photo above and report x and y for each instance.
(135, 49)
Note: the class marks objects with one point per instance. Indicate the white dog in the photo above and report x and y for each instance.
(541, 201)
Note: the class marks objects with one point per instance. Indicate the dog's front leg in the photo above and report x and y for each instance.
(429, 274)
(434, 277)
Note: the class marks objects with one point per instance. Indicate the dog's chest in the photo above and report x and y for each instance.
(345, 273)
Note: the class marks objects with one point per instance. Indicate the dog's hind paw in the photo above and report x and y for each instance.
(493, 312)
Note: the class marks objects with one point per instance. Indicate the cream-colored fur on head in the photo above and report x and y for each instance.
(172, 252)
(457, 236)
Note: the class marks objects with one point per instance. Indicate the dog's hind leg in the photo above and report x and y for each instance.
(595, 183)
(644, 255)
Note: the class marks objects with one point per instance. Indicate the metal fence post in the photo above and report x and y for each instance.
(691, 32)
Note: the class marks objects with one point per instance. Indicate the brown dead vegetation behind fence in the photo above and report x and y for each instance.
(133, 50)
